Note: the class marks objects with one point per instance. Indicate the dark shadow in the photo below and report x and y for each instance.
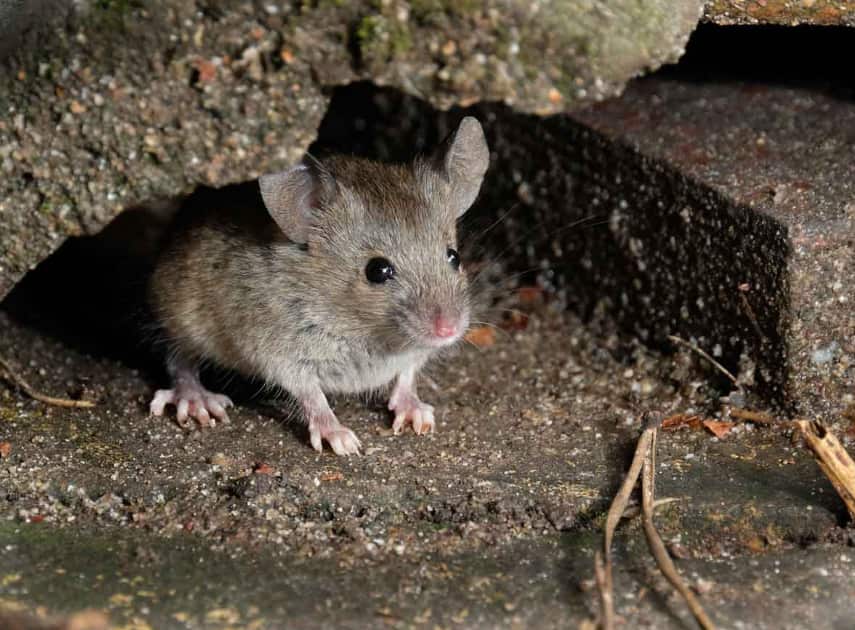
(90, 293)
(815, 57)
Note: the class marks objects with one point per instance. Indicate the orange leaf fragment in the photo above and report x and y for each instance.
(482, 336)
(718, 428)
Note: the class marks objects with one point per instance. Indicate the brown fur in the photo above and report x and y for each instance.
(231, 287)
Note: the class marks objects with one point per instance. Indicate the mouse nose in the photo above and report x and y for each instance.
(445, 326)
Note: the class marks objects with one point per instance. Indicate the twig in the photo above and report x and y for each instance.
(702, 353)
(9, 374)
(757, 417)
(832, 459)
(657, 547)
(603, 576)
(603, 564)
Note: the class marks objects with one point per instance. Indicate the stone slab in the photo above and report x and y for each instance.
(782, 152)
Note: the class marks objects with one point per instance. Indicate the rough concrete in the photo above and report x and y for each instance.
(123, 102)
(785, 12)
(786, 153)
(492, 521)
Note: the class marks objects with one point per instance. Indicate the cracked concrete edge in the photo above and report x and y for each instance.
(119, 103)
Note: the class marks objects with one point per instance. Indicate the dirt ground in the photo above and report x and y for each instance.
(490, 522)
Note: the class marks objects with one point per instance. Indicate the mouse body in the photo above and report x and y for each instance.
(334, 276)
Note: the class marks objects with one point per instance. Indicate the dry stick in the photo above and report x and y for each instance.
(758, 417)
(832, 459)
(603, 570)
(602, 575)
(25, 387)
(657, 547)
(698, 350)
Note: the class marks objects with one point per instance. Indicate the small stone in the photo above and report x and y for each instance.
(77, 107)
(555, 96)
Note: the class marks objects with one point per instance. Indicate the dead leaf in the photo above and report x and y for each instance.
(5, 449)
(482, 336)
(287, 55)
(515, 321)
(718, 428)
(331, 475)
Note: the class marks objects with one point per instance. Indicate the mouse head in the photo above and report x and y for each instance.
(380, 241)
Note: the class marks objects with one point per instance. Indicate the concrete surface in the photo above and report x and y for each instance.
(492, 521)
(782, 152)
(617, 226)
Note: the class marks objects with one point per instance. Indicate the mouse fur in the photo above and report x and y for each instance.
(271, 279)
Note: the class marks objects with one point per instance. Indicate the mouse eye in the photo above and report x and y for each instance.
(379, 270)
(453, 258)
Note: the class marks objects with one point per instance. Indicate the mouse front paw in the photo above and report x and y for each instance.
(342, 440)
(411, 409)
(192, 402)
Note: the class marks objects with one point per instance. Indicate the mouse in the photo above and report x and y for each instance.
(338, 275)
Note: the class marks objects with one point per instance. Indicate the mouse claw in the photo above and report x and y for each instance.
(192, 401)
(416, 412)
(342, 440)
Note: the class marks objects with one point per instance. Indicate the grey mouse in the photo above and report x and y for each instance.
(343, 277)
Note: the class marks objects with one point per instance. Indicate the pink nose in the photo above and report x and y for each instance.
(443, 327)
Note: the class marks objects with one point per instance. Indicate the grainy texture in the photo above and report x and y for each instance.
(490, 522)
(781, 152)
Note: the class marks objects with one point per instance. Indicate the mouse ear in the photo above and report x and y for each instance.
(292, 198)
(463, 158)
